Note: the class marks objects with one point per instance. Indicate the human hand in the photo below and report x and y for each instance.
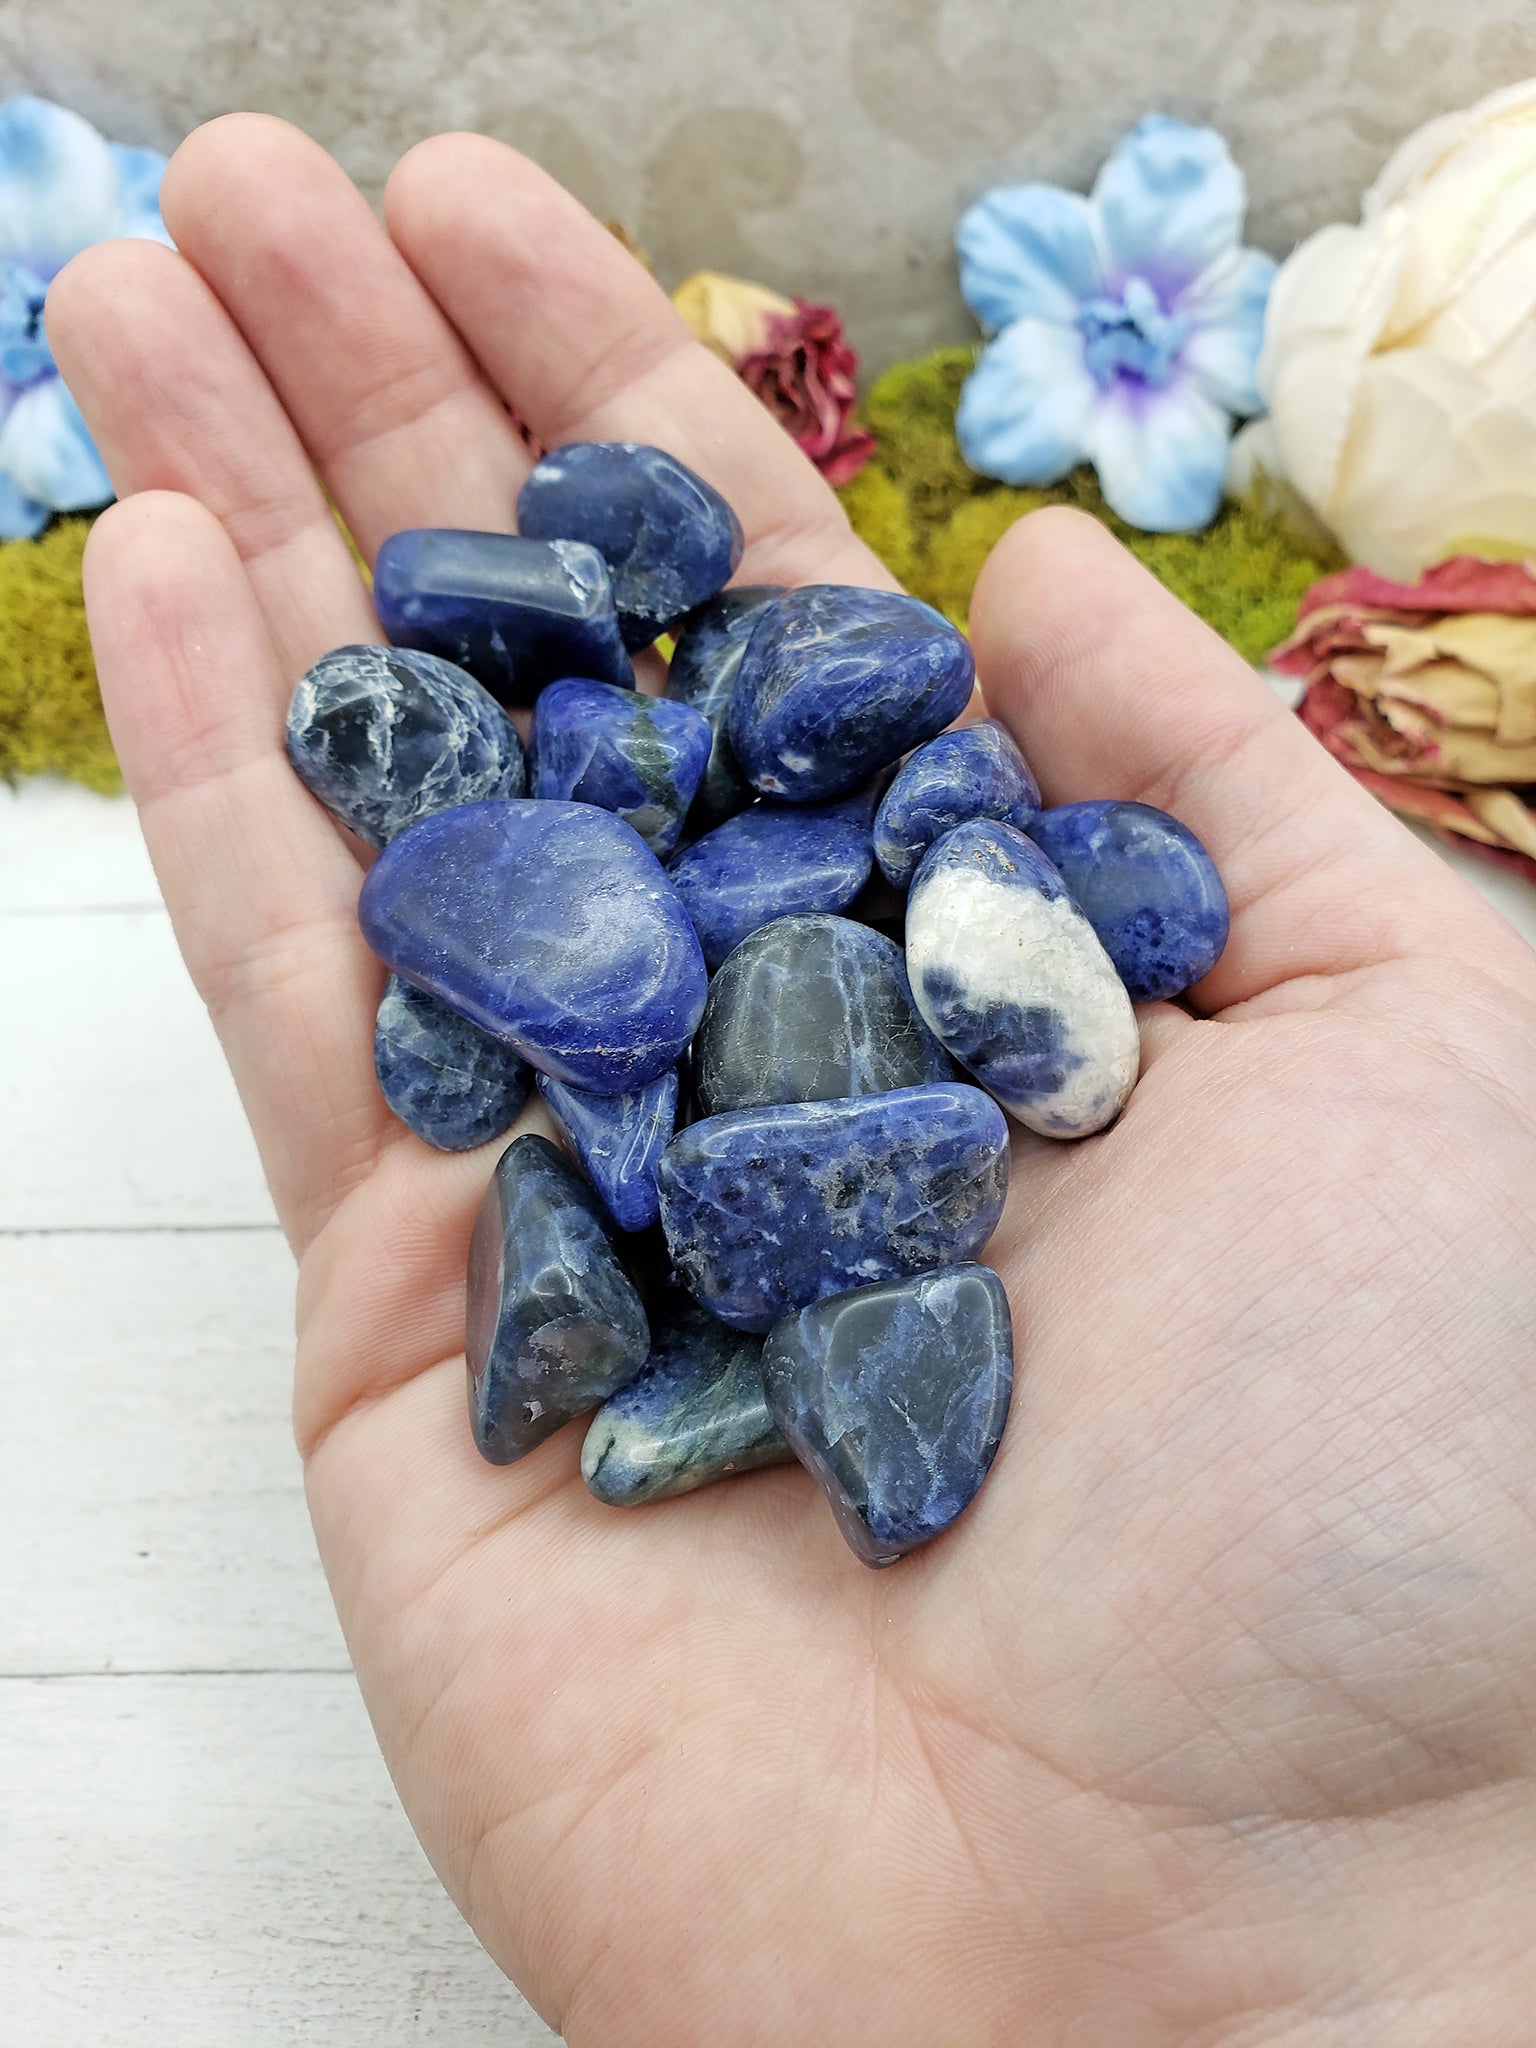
(1213, 1723)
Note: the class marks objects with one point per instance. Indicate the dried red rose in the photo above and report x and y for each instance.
(804, 371)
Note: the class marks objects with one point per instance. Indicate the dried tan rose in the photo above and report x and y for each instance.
(728, 314)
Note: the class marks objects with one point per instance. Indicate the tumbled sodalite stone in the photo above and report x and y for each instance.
(618, 1139)
(670, 540)
(553, 1323)
(836, 682)
(895, 1397)
(1012, 981)
(807, 1010)
(639, 757)
(516, 613)
(550, 925)
(384, 736)
(770, 861)
(695, 1413)
(703, 673)
(1146, 885)
(976, 772)
(452, 1083)
(768, 1209)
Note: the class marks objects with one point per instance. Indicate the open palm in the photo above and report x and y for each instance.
(1215, 1719)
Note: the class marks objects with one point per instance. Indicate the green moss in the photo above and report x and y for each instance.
(51, 719)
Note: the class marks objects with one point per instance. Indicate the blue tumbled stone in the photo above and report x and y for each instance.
(810, 1009)
(703, 673)
(895, 1396)
(550, 925)
(553, 1323)
(516, 613)
(1146, 885)
(639, 757)
(384, 736)
(769, 862)
(1013, 983)
(836, 682)
(618, 1139)
(768, 1209)
(452, 1083)
(976, 772)
(670, 540)
(695, 1413)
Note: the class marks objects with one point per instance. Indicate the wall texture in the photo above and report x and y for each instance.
(818, 145)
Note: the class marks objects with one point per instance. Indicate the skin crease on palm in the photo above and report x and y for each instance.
(1213, 1723)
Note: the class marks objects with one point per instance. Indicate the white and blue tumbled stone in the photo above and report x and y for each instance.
(766, 1210)
(618, 1139)
(550, 925)
(450, 1082)
(384, 736)
(553, 1324)
(809, 1009)
(702, 673)
(517, 613)
(837, 682)
(974, 772)
(894, 1397)
(1146, 885)
(639, 757)
(694, 1413)
(1013, 982)
(670, 540)
(770, 861)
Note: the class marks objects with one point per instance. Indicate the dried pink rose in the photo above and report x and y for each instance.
(804, 371)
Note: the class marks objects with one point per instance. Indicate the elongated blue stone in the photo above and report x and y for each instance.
(895, 1397)
(694, 1413)
(1012, 981)
(550, 925)
(618, 1139)
(384, 736)
(553, 1323)
(1146, 885)
(770, 861)
(452, 1083)
(639, 757)
(768, 1209)
(837, 682)
(975, 772)
(703, 673)
(516, 613)
(670, 540)
(810, 1009)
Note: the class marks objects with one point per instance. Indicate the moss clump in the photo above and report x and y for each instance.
(51, 719)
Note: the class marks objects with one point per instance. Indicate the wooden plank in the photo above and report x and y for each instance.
(64, 848)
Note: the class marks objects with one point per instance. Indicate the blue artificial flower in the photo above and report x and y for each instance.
(1128, 327)
(61, 189)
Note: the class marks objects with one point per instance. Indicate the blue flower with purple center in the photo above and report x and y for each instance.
(1127, 327)
(62, 187)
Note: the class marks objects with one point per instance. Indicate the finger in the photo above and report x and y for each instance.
(582, 340)
(1114, 689)
(261, 889)
(384, 395)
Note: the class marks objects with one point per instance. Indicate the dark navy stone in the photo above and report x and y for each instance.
(769, 1209)
(703, 673)
(807, 1010)
(553, 1323)
(694, 1414)
(452, 1083)
(618, 1139)
(769, 862)
(670, 540)
(384, 736)
(516, 613)
(836, 682)
(550, 925)
(976, 772)
(895, 1397)
(1146, 885)
(639, 757)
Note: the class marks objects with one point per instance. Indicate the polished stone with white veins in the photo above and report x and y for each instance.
(976, 771)
(771, 861)
(702, 672)
(450, 1082)
(618, 1139)
(640, 757)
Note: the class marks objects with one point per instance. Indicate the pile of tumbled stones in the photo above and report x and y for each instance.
(787, 1146)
